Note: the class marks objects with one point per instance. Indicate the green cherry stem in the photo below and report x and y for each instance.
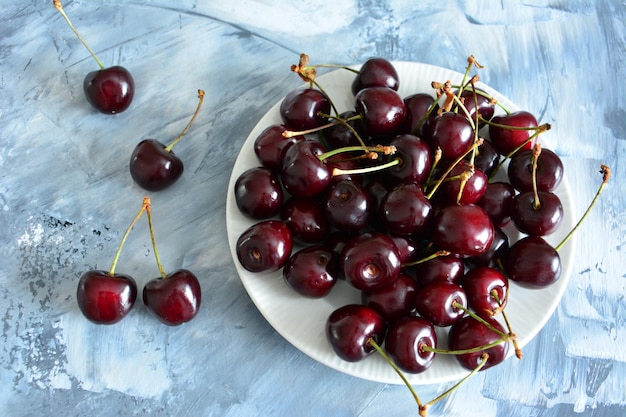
(535, 157)
(382, 353)
(427, 258)
(57, 4)
(154, 247)
(606, 175)
(145, 204)
(518, 351)
(195, 114)
(456, 162)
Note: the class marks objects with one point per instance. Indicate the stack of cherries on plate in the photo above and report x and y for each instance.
(407, 200)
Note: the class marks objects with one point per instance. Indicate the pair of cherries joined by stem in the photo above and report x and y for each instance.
(106, 297)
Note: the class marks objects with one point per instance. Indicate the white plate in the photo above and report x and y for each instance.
(301, 321)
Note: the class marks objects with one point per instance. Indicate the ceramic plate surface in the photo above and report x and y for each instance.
(301, 321)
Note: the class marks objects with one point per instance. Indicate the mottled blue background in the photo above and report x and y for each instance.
(66, 197)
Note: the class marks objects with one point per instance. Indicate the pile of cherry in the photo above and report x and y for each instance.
(402, 198)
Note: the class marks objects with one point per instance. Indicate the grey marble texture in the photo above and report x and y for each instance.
(66, 198)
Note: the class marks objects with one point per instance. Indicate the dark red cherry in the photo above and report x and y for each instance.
(306, 219)
(497, 202)
(302, 173)
(104, 298)
(473, 188)
(394, 300)
(309, 271)
(301, 108)
(505, 139)
(109, 90)
(418, 105)
(258, 193)
(452, 133)
(469, 333)
(532, 262)
(465, 230)
(153, 167)
(265, 246)
(493, 254)
(339, 135)
(270, 146)
(405, 343)
(350, 328)
(548, 175)
(537, 221)
(487, 290)
(347, 206)
(370, 260)
(376, 72)
(478, 102)
(174, 299)
(382, 110)
(439, 269)
(415, 160)
(439, 303)
(406, 210)
(408, 248)
(486, 159)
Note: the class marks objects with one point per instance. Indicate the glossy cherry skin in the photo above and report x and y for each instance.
(309, 271)
(506, 140)
(497, 202)
(339, 135)
(492, 256)
(104, 298)
(382, 110)
(302, 173)
(436, 303)
(405, 344)
(265, 246)
(452, 133)
(480, 283)
(347, 206)
(537, 221)
(475, 102)
(394, 300)
(532, 262)
(415, 160)
(370, 260)
(474, 188)
(469, 333)
(487, 158)
(548, 175)
(153, 167)
(270, 146)
(306, 219)
(175, 299)
(109, 90)
(350, 328)
(301, 108)
(464, 230)
(405, 210)
(375, 72)
(439, 269)
(418, 106)
(258, 193)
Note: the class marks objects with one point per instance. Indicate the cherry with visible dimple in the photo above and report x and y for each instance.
(350, 330)
(154, 166)
(347, 206)
(548, 174)
(265, 246)
(537, 214)
(415, 160)
(310, 271)
(370, 260)
(406, 343)
(487, 290)
(441, 303)
(306, 219)
(109, 90)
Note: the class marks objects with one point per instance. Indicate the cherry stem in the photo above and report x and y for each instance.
(371, 342)
(144, 207)
(57, 4)
(456, 162)
(428, 258)
(504, 338)
(518, 351)
(476, 317)
(483, 360)
(154, 247)
(535, 157)
(606, 175)
(538, 130)
(195, 114)
(338, 171)
(387, 150)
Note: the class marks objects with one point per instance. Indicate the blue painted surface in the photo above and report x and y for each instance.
(66, 198)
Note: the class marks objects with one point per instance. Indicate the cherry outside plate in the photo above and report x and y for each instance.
(301, 321)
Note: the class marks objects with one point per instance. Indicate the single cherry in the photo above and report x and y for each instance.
(108, 90)
(376, 72)
(270, 146)
(548, 174)
(441, 303)
(154, 166)
(306, 219)
(258, 193)
(511, 131)
(370, 260)
(405, 210)
(302, 108)
(265, 246)
(382, 109)
(174, 298)
(469, 333)
(406, 341)
(347, 206)
(310, 271)
(453, 134)
(532, 262)
(465, 230)
(439, 269)
(394, 300)
(303, 174)
(487, 290)
(350, 328)
(104, 297)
